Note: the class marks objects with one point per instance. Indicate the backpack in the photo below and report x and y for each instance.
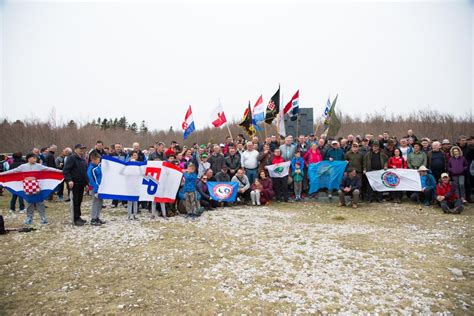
(2, 226)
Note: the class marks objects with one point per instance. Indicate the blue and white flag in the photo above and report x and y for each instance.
(139, 180)
(326, 174)
(121, 180)
(223, 191)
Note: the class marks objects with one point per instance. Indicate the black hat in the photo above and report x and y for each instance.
(376, 143)
(79, 146)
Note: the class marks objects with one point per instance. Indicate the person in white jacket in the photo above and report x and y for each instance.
(32, 165)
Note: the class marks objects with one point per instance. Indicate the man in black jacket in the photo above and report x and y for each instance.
(75, 175)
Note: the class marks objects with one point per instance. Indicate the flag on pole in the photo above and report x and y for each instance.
(333, 123)
(259, 110)
(279, 170)
(281, 123)
(247, 122)
(292, 108)
(218, 116)
(326, 113)
(394, 180)
(188, 124)
(273, 107)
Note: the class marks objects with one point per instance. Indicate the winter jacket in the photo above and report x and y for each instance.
(216, 161)
(448, 190)
(203, 190)
(233, 162)
(189, 182)
(297, 177)
(75, 170)
(312, 157)
(243, 182)
(397, 162)
(297, 160)
(416, 160)
(288, 151)
(457, 166)
(428, 181)
(336, 154)
(277, 159)
(356, 160)
(16, 163)
(94, 174)
(368, 161)
(353, 183)
(264, 159)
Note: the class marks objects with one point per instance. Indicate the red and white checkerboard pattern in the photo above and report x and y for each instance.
(31, 186)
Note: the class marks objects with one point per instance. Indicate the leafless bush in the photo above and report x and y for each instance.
(24, 135)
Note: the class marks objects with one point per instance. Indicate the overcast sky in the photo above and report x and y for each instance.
(151, 60)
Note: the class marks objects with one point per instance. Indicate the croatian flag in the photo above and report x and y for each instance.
(292, 108)
(19, 182)
(188, 124)
(218, 116)
(258, 111)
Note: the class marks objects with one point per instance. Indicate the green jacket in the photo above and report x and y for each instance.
(368, 160)
(356, 160)
(297, 177)
(416, 160)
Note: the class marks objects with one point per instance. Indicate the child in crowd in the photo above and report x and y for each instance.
(190, 198)
(94, 173)
(32, 165)
(256, 192)
(297, 176)
(132, 206)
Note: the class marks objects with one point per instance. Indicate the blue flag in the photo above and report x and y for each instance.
(326, 174)
(223, 191)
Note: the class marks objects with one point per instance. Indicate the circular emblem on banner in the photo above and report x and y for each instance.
(390, 179)
(223, 191)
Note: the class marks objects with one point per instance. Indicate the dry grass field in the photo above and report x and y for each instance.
(287, 258)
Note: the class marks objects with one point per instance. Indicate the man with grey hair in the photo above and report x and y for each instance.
(288, 148)
(249, 161)
(216, 159)
(436, 160)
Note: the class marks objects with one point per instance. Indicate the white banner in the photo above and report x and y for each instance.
(279, 170)
(161, 181)
(394, 180)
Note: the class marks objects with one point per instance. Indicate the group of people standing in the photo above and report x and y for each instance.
(446, 170)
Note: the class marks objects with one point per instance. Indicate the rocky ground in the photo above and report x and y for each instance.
(286, 258)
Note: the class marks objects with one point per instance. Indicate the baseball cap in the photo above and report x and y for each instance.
(79, 146)
(334, 142)
(204, 156)
(444, 175)
(445, 142)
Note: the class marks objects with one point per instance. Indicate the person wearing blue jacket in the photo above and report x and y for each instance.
(335, 152)
(94, 173)
(428, 186)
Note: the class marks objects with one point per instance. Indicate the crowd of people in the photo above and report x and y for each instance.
(446, 171)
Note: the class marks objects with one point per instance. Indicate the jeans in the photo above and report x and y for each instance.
(251, 174)
(459, 180)
(13, 202)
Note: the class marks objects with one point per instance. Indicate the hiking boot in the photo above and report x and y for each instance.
(95, 222)
(28, 221)
(78, 223)
(81, 220)
(44, 221)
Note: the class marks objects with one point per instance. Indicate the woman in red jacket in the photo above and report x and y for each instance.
(313, 155)
(280, 185)
(397, 162)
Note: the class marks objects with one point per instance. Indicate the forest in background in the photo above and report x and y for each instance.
(24, 135)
